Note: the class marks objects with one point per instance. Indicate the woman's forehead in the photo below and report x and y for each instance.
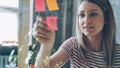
(85, 5)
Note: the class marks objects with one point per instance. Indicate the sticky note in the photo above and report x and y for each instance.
(52, 22)
(32, 66)
(40, 5)
(52, 5)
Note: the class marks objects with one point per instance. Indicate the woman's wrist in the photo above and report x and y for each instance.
(47, 47)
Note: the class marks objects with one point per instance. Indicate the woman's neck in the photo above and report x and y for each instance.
(94, 42)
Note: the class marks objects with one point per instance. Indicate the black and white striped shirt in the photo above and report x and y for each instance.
(94, 59)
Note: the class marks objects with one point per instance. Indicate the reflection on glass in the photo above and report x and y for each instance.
(9, 3)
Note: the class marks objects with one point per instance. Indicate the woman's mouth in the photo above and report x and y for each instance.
(88, 27)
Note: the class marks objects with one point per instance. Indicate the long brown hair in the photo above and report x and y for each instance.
(109, 31)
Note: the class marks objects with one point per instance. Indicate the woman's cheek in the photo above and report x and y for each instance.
(80, 25)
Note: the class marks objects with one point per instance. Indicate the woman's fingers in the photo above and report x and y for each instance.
(41, 36)
(41, 31)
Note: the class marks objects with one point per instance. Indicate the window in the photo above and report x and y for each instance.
(9, 22)
(9, 3)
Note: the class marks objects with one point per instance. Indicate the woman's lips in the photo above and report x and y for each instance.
(88, 27)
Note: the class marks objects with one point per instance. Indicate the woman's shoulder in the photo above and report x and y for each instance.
(117, 47)
(69, 45)
(72, 39)
(117, 44)
(71, 42)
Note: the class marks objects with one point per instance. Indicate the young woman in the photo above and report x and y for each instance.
(94, 45)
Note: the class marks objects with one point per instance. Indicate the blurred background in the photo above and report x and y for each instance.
(16, 21)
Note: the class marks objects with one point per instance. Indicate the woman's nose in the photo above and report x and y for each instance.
(87, 19)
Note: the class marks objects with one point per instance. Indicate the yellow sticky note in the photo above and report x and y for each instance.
(52, 5)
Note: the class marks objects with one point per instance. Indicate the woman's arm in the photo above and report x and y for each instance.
(47, 38)
(58, 59)
(44, 60)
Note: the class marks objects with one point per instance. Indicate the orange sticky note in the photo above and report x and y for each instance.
(52, 22)
(40, 5)
(52, 5)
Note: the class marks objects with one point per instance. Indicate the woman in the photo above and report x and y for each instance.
(94, 45)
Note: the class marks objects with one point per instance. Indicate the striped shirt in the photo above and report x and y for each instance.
(94, 59)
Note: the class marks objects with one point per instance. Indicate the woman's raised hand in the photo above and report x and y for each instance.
(41, 32)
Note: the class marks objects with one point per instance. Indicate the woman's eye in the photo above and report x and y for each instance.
(81, 15)
(93, 14)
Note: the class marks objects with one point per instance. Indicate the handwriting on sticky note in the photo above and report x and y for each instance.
(52, 5)
(40, 5)
(52, 22)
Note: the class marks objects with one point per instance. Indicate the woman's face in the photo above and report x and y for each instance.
(90, 18)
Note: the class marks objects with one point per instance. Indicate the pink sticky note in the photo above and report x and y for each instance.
(52, 22)
(40, 5)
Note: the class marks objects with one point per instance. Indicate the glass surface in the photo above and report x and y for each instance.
(9, 3)
(8, 27)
